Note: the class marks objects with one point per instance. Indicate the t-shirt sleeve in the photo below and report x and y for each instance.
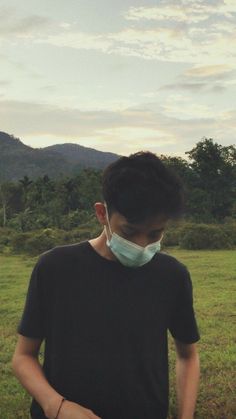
(32, 323)
(183, 325)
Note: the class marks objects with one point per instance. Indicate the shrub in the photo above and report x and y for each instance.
(174, 232)
(230, 230)
(171, 237)
(5, 235)
(23, 221)
(85, 232)
(205, 236)
(18, 242)
(36, 242)
(41, 241)
(75, 219)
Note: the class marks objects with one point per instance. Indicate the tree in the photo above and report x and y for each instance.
(214, 167)
(25, 182)
(89, 181)
(4, 196)
(10, 199)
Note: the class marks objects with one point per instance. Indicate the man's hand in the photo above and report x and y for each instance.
(71, 410)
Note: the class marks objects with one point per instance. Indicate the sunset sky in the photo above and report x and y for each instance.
(118, 76)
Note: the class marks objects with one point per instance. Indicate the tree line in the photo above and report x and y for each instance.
(209, 177)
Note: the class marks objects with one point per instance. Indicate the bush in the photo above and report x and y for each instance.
(171, 237)
(174, 232)
(23, 221)
(5, 235)
(230, 231)
(75, 219)
(37, 242)
(205, 236)
(85, 232)
(18, 242)
(40, 242)
(33, 243)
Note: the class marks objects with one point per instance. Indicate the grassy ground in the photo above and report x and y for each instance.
(213, 275)
(214, 281)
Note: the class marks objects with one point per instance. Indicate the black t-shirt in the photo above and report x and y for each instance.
(105, 328)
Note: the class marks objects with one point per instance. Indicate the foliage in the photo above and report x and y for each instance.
(209, 179)
(41, 241)
(18, 242)
(203, 236)
(189, 235)
(64, 203)
(214, 167)
(173, 233)
(230, 230)
(5, 237)
(36, 242)
(44, 203)
(184, 234)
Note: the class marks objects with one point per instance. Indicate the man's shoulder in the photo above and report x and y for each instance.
(64, 253)
(169, 263)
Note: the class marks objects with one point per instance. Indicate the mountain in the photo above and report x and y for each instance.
(18, 159)
(83, 156)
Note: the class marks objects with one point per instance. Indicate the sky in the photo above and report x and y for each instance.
(119, 76)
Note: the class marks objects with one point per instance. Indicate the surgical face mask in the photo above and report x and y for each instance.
(131, 254)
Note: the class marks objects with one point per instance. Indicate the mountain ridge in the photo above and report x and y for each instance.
(74, 151)
(18, 159)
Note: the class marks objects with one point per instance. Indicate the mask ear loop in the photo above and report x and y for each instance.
(107, 215)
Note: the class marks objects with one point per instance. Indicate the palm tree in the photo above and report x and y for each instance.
(4, 201)
(25, 182)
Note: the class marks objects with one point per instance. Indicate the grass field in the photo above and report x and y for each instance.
(214, 280)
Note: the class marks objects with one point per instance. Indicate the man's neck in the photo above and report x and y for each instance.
(99, 245)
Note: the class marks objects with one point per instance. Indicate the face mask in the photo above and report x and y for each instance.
(131, 254)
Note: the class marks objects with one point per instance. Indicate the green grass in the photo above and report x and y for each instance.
(213, 274)
(214, 280)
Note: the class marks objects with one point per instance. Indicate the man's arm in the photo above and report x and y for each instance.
(29, 372)
(187, 378)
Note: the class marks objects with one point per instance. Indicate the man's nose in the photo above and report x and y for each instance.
(142, 241)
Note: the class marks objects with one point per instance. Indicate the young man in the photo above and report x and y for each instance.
(104, 307)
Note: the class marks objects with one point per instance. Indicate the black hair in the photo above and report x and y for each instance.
(141, 186)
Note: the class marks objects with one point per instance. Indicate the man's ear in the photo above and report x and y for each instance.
(100, 211)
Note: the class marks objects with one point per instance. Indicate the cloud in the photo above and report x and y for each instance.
(49, 88)
(207, 30)
(171, 31)
(46, 119)
(185, 11)
(185, 86)
(26, 26)
(214, 78)
(224, 26)
(5, 82)
(195, 87)
(119, 131)
(163, 44)
(78, 40)
(212, 71)
(184, 108)
(3, 57)
(172, 128)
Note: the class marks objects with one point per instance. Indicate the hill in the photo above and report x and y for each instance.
(83, 156)
(18, 159)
